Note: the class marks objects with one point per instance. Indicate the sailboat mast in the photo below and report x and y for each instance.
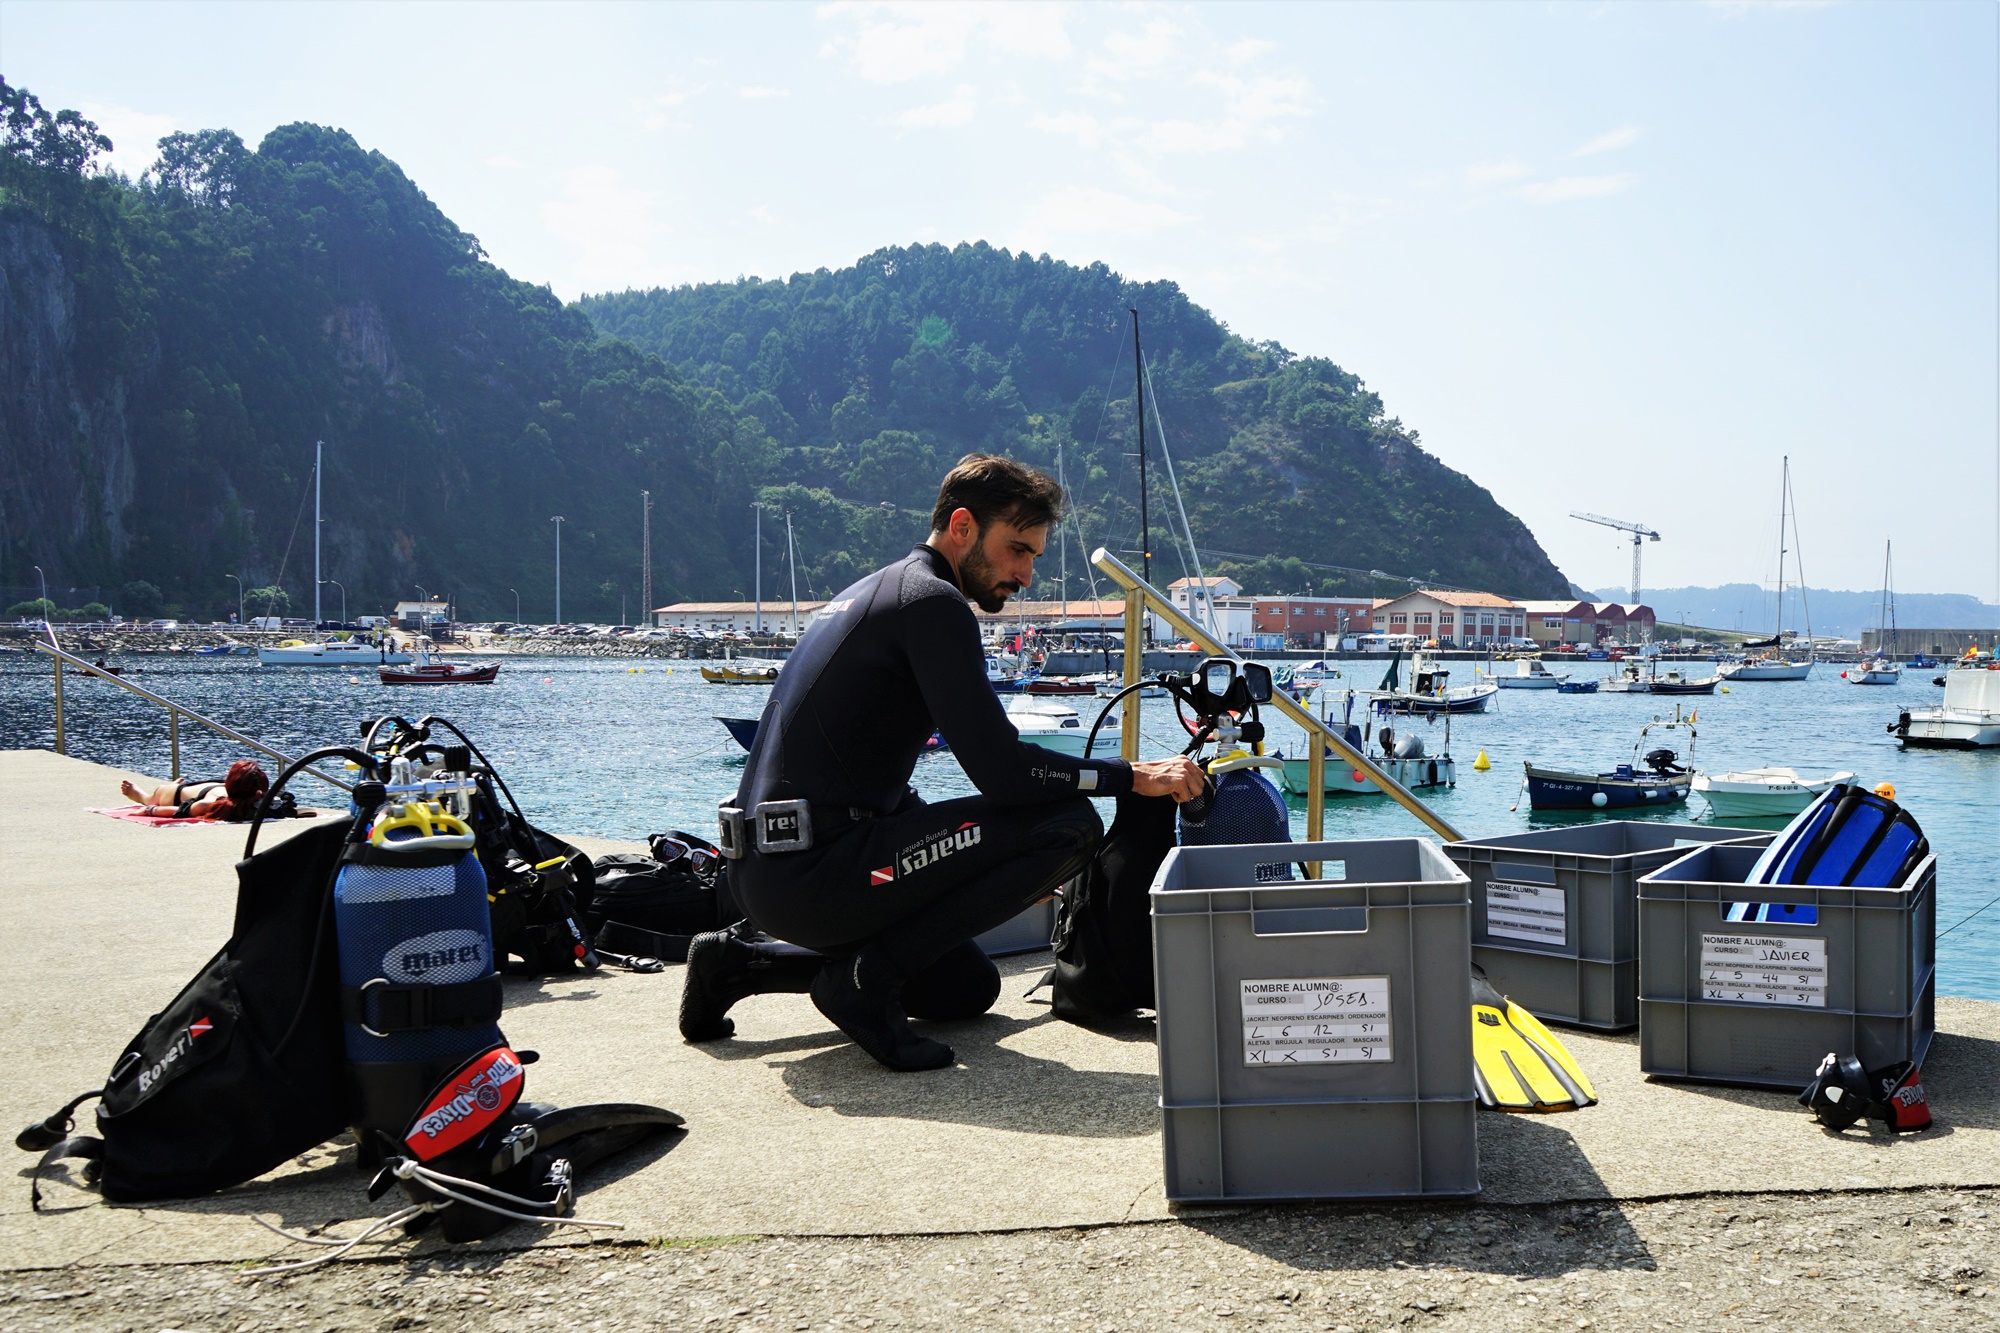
(1062, 546)
(759, 585)
(319, 452)
(792, 558)
(1784, 494)
(1139, 410)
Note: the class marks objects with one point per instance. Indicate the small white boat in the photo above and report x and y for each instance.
(1047, 721)
(1628, 679)
(1529, 674)
(1878, 671)
(1762, 791)
(333, 653)
(1968, 719)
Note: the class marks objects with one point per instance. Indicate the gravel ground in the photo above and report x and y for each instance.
(1838, 1261)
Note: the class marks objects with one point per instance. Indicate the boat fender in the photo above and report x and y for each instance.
(1599, 799)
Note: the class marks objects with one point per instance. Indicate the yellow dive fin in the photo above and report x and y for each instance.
(1518, 1065)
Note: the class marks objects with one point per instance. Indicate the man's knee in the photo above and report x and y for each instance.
(962, 983)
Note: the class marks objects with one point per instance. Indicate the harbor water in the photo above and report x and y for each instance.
(617, 749)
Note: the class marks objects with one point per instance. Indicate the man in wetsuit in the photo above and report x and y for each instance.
(840, 855)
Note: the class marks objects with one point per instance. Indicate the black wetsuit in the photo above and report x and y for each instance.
(889, 660)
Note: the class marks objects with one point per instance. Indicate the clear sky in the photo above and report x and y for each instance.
(1617, 258)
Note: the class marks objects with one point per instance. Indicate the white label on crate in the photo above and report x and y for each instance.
(1316, 1020)
(1764, 969)
(1536, 912)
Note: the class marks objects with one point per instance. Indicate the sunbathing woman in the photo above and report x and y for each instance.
(233, 798)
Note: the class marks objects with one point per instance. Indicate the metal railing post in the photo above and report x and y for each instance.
(1316, 782)
(174, 742)
(1135, 667)
(174, 712)
(1147, 596)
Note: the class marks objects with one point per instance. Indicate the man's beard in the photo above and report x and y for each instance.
(975, 578)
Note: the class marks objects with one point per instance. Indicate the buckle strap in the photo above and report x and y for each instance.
(381, 1009)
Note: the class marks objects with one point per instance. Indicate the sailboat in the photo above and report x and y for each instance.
(1882, 669)
(1769, 661)
(333, 652)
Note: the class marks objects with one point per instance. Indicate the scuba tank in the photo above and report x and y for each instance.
(1242, 806)
(420, 994)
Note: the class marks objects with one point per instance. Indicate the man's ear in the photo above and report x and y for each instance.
(962, 526)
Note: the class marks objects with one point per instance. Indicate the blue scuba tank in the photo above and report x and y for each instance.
(419, 988)
(1247, 808)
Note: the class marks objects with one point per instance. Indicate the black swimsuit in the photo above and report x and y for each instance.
(184, 809)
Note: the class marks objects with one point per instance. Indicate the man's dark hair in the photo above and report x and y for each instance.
(996, 488)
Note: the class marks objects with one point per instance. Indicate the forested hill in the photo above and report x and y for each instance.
(171, 348)
(864, 384)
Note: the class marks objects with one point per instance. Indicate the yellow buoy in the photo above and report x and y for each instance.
(1482, 763)
(1725, 689)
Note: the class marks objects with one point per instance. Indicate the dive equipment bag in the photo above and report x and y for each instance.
(1104, 918)
(654, 905)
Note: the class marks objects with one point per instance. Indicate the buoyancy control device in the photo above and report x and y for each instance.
(1103, 937)
(358, 989)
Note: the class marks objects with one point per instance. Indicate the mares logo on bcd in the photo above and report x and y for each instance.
(469, 1101)
(440, 958)
(933, 849)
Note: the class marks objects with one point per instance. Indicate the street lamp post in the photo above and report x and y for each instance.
(45, 595)
(343, 598)
(517, 606)
(558, 521)
(239, 598)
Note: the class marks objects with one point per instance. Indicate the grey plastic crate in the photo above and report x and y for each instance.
(1023, 934)
(1380, 1104)
(1555, 912)
(1862, 980)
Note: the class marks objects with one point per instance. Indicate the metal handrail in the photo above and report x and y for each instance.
(1139, 596)
(175, 712)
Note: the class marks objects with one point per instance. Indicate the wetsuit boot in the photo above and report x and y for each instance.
(864, 998)
(724, 966)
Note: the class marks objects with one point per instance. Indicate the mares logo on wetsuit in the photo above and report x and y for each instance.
(920, 854)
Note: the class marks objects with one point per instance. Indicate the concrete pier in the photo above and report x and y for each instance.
(791, 1131)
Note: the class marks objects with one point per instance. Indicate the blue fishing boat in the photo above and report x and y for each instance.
(1577, 687)
(1658, 778)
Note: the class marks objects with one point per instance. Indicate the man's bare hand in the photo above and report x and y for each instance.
(1179, 777)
